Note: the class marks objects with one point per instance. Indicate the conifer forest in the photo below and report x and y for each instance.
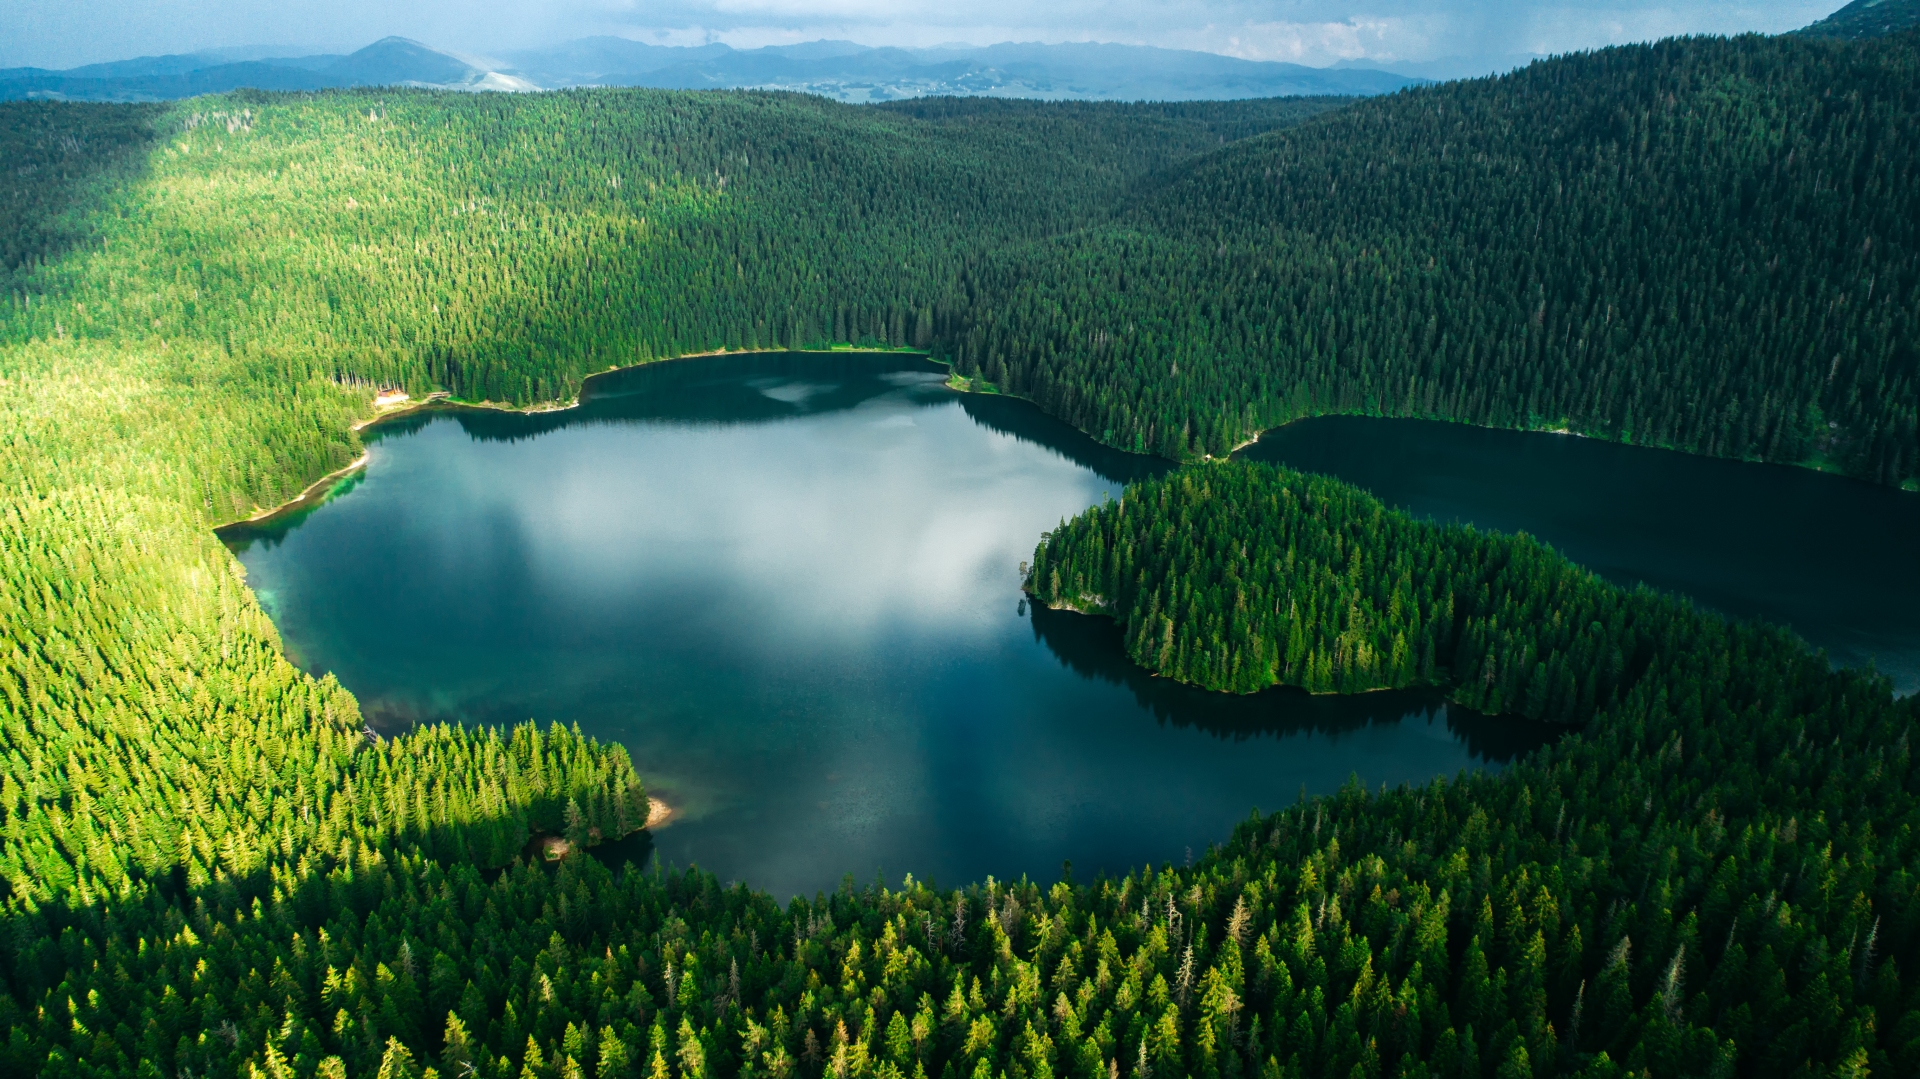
(210, 866)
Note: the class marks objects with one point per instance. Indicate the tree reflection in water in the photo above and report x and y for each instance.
(1092, 647)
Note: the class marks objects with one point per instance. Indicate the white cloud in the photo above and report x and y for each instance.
(609, 514)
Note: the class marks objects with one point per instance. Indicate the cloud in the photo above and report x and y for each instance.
(58, 33)
(1305, 31)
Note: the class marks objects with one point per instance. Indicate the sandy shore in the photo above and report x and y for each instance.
(314, 490)
(397, 409)
(659, 814)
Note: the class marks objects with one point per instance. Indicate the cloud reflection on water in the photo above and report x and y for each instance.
(789, 586)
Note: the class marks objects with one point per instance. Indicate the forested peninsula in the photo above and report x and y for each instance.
(213, 869)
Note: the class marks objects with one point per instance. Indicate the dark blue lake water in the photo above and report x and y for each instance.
(789, 585)
(1834, 558)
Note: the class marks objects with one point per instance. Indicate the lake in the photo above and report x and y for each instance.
(1834, 558)
(789, 584)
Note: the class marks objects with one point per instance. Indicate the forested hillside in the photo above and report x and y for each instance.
(1868, 18)
(1707, 244)
(504, 247)
(211, 870)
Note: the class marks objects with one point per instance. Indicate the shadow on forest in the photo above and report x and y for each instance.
(1025, 421)
(1093, 647)
(55, 155)
(34, 961)
(634, 850)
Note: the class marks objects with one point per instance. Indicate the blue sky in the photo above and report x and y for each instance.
(62, 33)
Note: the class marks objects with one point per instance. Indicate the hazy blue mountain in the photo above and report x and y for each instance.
(851, 72)
(146, 67)
(1868, 18)
(837, 69)
(393, 61)
(158, 84)
(398, 60)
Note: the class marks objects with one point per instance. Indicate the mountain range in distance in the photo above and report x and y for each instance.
(841, 70)
(393, 61)
(857, 73)
(836, 69)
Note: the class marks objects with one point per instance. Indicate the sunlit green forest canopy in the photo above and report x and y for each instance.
(211, 869)
(502, 247)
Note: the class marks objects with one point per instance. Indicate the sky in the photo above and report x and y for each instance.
(65, 33)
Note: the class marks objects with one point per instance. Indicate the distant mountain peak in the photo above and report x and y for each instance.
(403, 61)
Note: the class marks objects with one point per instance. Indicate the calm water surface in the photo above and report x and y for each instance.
(789, 584)
(1836, 559)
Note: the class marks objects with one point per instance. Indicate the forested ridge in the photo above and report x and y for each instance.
(1866, 19)
(1706, 244)
(211, 869)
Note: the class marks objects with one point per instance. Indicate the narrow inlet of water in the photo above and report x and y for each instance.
(789, 585)
(1836, 559)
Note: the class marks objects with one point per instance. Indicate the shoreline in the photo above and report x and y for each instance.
(1911, 486)
(312, 492)
(441, 400)
(407, 408)
(555, 848)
